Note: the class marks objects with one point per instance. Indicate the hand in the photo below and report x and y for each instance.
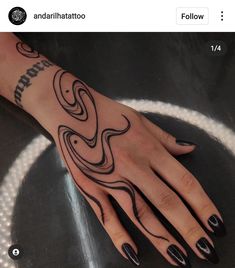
(110, 149)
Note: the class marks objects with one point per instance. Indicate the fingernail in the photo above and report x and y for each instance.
(130, 253)
(207, 250)
(178, 256)
(217, 225)
(184, 143)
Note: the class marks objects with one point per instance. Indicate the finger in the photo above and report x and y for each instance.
(109, 219)
(170, 205)
(191, 190)
(142, 216)
(173, 145)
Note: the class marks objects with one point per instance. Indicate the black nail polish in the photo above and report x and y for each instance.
(207, 250)
(217, 225)
(130, 253)
(184, 143)
(178, 256)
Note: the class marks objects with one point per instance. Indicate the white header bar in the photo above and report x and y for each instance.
(121, 15)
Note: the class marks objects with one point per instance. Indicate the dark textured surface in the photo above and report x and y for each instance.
(168, 67)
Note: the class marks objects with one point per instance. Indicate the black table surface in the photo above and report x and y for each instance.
(55, 226)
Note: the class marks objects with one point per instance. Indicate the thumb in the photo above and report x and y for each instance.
(173, 145)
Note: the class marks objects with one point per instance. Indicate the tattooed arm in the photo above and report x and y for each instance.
(110, 149)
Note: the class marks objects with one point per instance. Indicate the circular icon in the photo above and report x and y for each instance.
(15, 252)
(17, 15)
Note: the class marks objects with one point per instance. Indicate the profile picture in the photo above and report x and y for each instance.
(17, 15)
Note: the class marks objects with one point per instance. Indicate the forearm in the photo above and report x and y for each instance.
(27, 79)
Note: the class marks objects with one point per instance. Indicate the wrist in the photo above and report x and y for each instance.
(40, 101)
(29, 82)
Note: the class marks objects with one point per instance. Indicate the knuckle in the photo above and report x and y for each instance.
(168, 200)
(188, 182)
(162, 243)
(149, 148)
(118, 236)
(108, 216)
(143, 211)
(143, 140)
(193, 233)
(205, 209)
(166, 136)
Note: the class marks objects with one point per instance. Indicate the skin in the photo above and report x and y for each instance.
(141, 154)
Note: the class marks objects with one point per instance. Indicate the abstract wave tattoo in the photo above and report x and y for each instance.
(76, 100)
(26, 51)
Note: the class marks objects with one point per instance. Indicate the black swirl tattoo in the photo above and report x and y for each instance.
(76, 100)
(26, 51)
